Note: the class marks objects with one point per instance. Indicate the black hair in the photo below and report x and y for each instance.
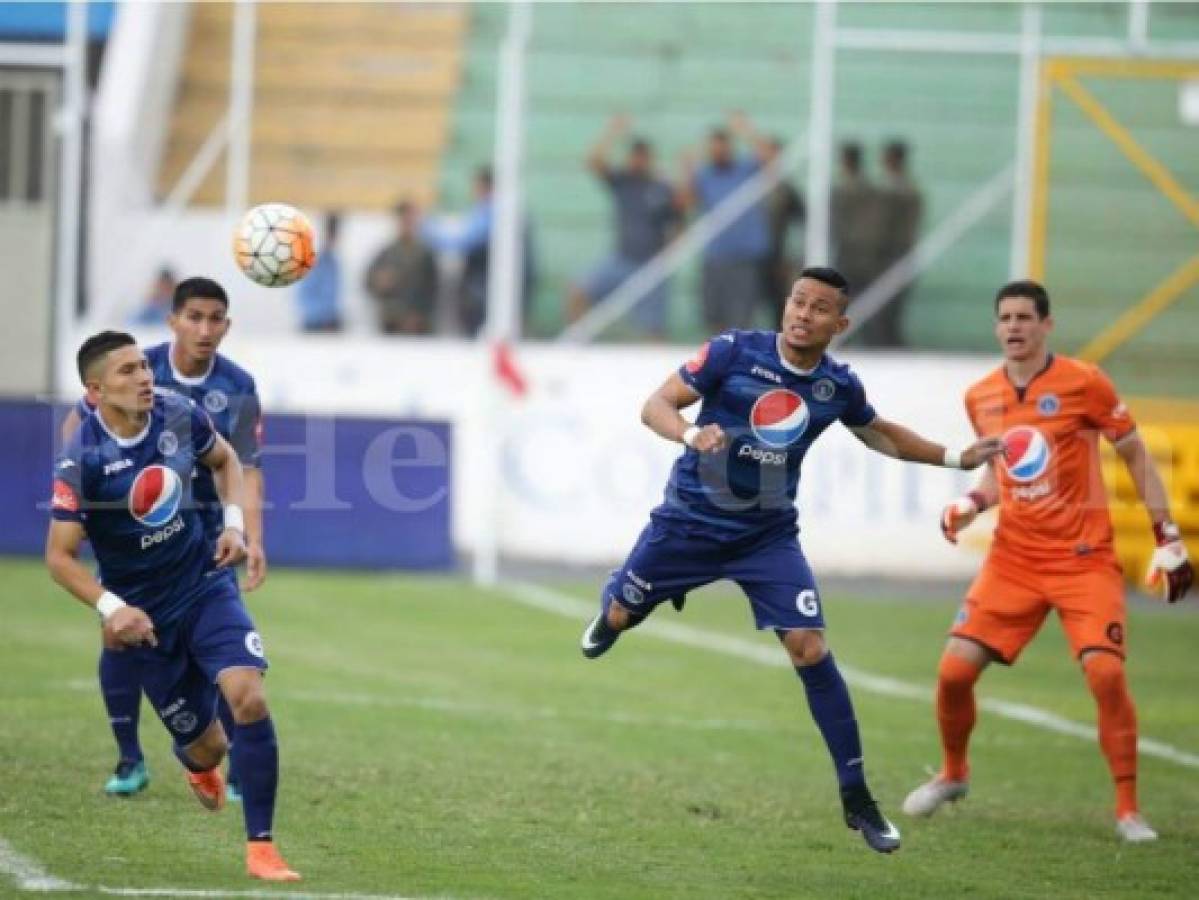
(484, 176)
(896, 153)
(190, 288)
(827, 275)
(719, 133)
(641, 145)
(851, 156)
(1029, 289)
(97, 347)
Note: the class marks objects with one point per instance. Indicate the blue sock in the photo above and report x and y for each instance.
(121, 687)
(256, 757)
(828, 699)
(226, 716)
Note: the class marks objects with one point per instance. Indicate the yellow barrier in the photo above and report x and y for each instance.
(1175, 448)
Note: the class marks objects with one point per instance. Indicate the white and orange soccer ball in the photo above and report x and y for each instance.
(275, 245)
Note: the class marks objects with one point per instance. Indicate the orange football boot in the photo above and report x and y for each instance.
(209, 787)
(263, 861)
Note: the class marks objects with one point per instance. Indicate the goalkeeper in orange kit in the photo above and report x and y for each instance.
(1053, 545)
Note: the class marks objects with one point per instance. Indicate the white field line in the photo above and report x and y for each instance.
(30, 876)
(551, 601)
(27, 873)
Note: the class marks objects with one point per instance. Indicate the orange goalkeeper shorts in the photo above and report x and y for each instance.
(1008, 601)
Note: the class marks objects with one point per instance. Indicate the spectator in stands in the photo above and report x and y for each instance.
(855, 222)
(901, 210)
(319, 294)
(402, 278)
(733, 259)
(157, 304)
(471, 239)
(784, 209)
(646, 217)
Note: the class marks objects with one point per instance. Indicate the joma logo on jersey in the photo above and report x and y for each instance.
(117, 466)
(767, 374)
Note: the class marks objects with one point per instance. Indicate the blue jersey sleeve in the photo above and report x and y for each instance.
(707, 369)
(858, 412)
(245, 427)
(83, 409)
(66, 504)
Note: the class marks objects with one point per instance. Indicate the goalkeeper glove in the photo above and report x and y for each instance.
(960, 513)
(1169, 566)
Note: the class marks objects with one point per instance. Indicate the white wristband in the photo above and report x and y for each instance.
(108, 604)
(952, 459)
(234, 518)
(690, 435)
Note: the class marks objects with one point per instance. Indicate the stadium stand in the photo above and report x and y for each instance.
(351, 101)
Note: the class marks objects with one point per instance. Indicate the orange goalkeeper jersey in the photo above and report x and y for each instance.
(1053, 505)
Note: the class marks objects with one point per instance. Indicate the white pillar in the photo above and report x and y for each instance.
(1026, 135)
(241, 109)
(70, 186)
(1138, 25)
(820, 133)
(505, 279)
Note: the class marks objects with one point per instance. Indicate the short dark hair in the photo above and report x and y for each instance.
(97, 347)
(851, 156)
(190, 288)
(1028, 288)
(827, 275)
(641, 145)
(896, 152)
(720, 134)
(485, 177)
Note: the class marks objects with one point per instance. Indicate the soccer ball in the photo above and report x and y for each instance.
(275, 245)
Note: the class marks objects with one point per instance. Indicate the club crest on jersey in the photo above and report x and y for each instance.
(779, 418)
(168, 443)
(1025, 453)
(155, 496)
(216, 402)
(1049, 404)
(824, 389)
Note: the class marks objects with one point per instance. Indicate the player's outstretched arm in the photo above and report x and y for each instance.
(1170, 568)
(661, 415)
(894, 440)
(123, 623)
(965, 509)
(230, 489)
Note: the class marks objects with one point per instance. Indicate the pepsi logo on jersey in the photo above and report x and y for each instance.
(155, 496)
(779, 418)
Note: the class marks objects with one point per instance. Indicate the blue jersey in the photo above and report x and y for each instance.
(227, 393)
(771, 412)
(133, 497)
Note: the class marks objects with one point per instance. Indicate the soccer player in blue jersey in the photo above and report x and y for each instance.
(189, 365)
(165, 592)
(729, 509)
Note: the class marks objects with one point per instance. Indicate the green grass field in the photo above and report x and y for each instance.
(441, 740)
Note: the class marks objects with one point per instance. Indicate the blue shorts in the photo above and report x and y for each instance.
(651, 310)
(770, 569)
(179, 675)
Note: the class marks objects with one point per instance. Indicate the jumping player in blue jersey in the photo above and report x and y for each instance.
(191, 366)
(166, 593)
(729, 509)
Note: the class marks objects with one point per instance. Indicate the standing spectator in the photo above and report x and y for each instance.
(901, 211)
(855, 222)
(403, 278)
(646, 215)
(157, 304)
(784, 208)
(733, 259)
(471, 238)
(319, 294)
